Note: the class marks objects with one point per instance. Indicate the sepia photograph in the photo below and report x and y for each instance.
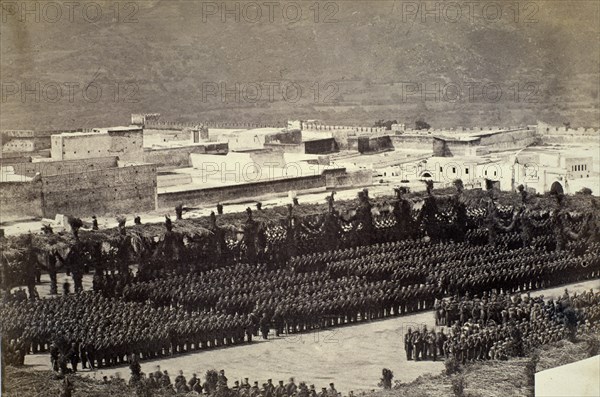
(300, 198)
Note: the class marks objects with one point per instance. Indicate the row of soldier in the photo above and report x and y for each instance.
(472, 268)
(280, 299)
(258, 238)
(522, 324)
(218, 383)
(103, 332)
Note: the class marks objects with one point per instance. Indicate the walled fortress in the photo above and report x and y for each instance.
(152, 121)
(542, 129)
(100, 171)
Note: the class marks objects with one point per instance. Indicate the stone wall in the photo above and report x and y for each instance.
(214, 195)
(127, 144)
(509, 139)
(46, 168)
(350, 179)
(18, 145)
(341, 138)
(330, 178)
(169, 134)
(21, 200)
(180, 156)
(545, 129)
(440, 149)
(24, 140)
(109, 191)
(453, 147)
(285, 147)
(372, 144)
(10, 159)
(321, 146)
(167, 179)
(291, 137)
(156, 124)
(412, 141)
(327, 127)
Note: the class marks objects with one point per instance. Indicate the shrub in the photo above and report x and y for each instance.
(585, 191)
(143, 389)
(592, 346)
(458, 386)
(452, 365)
(530, 368)
(386, 378)
(212, 378)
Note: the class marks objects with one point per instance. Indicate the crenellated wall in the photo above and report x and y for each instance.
(563, 135)
(325, 127)
(211, 124)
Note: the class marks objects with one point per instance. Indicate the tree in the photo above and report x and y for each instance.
(75, 224)
(586, 191)
(421, 124)
(387, 124)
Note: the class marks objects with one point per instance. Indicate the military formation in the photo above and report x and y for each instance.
(360, 269)
(502, 325)
(230, 305)
(218, 383)
(96, 332)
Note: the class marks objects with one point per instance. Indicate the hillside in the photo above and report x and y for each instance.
(365, 63)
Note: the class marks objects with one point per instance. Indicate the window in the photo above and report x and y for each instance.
(466, 171)
(494, 173)
(485, 172)
(441, 169)
(454, 170)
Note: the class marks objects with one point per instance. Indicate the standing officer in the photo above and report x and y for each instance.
(408, 346)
